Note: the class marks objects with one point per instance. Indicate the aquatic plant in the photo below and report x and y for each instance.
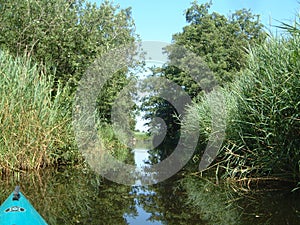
(35, 126)
(262, 121)
(267, 122)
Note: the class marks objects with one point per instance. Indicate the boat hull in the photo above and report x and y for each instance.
(19, 212)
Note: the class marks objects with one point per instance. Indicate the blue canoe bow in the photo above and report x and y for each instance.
(17, 210)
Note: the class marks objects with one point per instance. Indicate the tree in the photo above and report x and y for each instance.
(221, 41)
(218, 43)
(67, 36)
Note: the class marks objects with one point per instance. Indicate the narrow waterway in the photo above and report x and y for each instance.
(144, 205)
(141, 216)
(141, 194)
(76, 196)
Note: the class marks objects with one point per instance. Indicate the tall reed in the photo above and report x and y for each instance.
(34, 125)
(267, 127)
(263, 120)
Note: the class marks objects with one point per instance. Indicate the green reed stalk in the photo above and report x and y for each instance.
(33, 124)
(263, 120)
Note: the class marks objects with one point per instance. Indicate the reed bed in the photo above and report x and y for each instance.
(267, 128)
(263, 120)
(35, 126)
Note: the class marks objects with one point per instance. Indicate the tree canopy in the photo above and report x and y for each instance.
(221, 41)
(67, 36)
(221, 45)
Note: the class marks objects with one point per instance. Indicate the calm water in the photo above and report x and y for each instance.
(81, 197)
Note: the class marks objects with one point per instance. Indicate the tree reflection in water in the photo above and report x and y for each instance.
(77, 196)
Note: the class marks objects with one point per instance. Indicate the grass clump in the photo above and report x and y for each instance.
(262, 121)
(35, 126)
(267, 123)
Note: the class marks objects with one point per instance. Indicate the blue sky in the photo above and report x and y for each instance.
(157, 20)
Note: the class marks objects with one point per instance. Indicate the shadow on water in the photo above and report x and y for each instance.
(81, 197)
(220, 204)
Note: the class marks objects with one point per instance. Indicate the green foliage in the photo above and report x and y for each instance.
(67, 35)
(161, 113)
(63, 37)
(262, 135)
(115, 145)
(199, 117)
(115, 102)
(210, 50)
(268, 110)
(221, 41)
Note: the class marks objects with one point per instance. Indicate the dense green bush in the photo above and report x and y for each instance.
(67, 35)
(62, 38)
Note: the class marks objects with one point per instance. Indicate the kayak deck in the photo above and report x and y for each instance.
(17, 210)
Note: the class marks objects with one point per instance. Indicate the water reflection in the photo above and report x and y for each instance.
(157, 204)
(218, 204)
(141, 159)
(161, 203)
(141, 216)
(76, 196)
